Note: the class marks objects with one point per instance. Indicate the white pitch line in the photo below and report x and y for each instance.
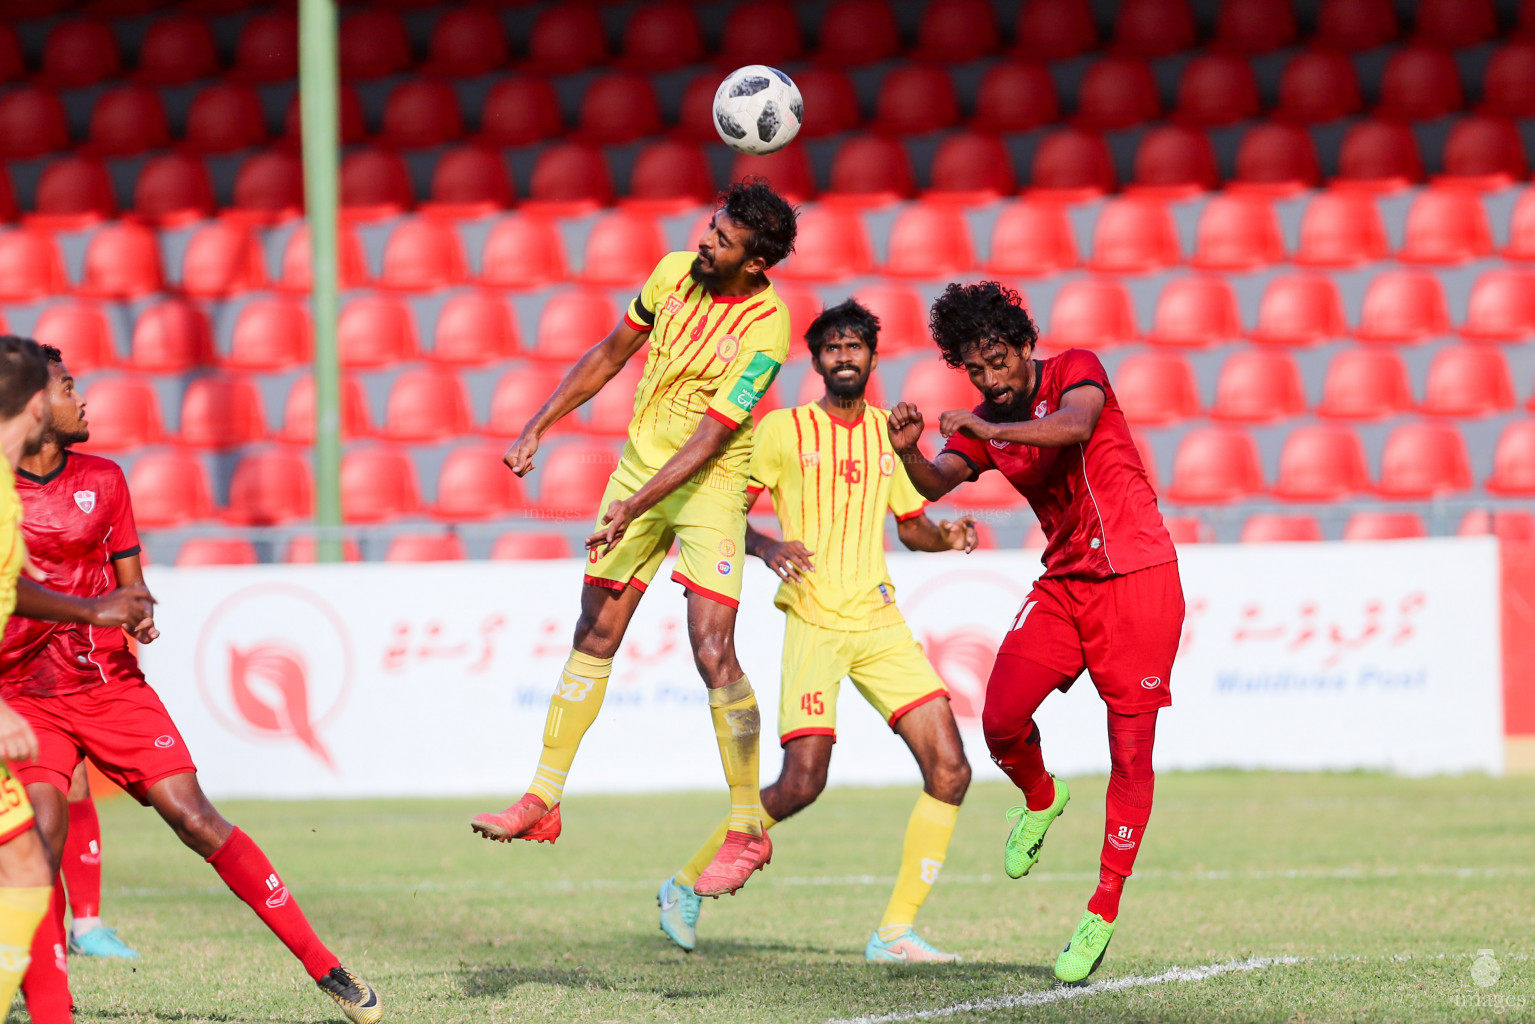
(1062, 993)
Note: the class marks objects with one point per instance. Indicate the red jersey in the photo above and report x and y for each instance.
(1094, 501)
(78, 520)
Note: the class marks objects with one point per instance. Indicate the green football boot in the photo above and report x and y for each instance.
(1021, 851)
(1085, 951)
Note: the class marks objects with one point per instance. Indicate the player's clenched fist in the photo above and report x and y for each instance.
(17, 741)
(126, 606)
(961, 535)
(963, 420)
(905, 426)
(519, 457)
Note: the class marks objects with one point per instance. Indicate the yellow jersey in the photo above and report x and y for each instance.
(832, 482)
(709, 356)
(13, 546)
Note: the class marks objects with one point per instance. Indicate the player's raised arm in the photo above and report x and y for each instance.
(1071, 424)
(933, 479)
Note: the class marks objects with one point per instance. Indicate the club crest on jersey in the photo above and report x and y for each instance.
(86, 500)
(673, 303)
(1039, 410)
(728, 347)
(886, 464)
(728, 548)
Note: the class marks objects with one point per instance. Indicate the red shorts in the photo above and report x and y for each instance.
(1124, 630)
(121, 725)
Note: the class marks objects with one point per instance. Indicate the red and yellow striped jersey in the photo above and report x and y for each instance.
(709, 356)
(13, 547)
(832, 482)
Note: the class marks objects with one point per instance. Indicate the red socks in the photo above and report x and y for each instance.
(82, 860)
(247, 872)
(46, 985)
(1105, 899)
(1131, 784)
(1013, 694)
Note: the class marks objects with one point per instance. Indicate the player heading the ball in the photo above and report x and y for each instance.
(718, 335)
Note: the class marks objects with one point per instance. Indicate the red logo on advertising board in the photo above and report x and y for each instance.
(942, 613)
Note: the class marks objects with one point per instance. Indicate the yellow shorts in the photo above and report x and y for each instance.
(709, 525)
(15, 808)
(887, 665)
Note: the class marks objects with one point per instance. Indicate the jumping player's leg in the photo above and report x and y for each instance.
(1132, 783)
(46, 985)
(26, 891)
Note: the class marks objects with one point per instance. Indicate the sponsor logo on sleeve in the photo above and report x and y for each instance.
(754, 380)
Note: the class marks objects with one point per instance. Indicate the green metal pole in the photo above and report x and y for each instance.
(319, 88)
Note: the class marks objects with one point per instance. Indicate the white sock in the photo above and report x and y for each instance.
(80, 925)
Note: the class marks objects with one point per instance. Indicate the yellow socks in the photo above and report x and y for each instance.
(21, 911)
(695, 867)
(572, 710)
(737, 724)
(927, 840)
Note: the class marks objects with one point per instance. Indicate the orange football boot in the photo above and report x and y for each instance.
(527, 819)
(740, 855)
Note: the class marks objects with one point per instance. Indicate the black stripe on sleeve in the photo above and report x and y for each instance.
(647, 316)
(127, 554)
(975, 471)
(1083, 384)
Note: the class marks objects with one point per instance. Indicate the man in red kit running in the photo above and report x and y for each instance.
(80, 689)
(1109, 600)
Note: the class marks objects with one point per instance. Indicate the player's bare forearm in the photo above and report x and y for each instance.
(757, 542)
(708, 439)
(600, 364)
(1072, 424)
(933, 479)
(126, 606)
(919, 533)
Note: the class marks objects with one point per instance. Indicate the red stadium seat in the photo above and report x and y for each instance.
(421, 113)
(375, 185)
(1356, 24)
(32, 123)
(518, 546)
(670, 175)
(935, 388)
(79, 52)
(832, 244)
(1446, 226)
(1379, 156)
(269, 488)
(474, 328)
(222, 259)
(226, 117)
(805, 305)
(1420, 82)
(574, 476)
(1513, 461)
(1424, 460)
(622, 249)
(1271, 528)
(1254, 26)
(916, 98)
(475, 484)
(572, 177)
(1015, 95)
(13, 65)
(1056, 29)
(956, 31)
(1217, 89)
(1300, 309)
(521, 109)
(1341, 229)
(305, 551)
(1188, 530)
(902, 316)
(871, 170)
(858, 32)
(1259, 386)
(1216, 465)
(296, 274)
(171, 336)
(787, 170)
(1319, 86)
(930, 240)
(831, 102)
(373, 44)
(378, 484)
(1365, 384)
(1367, 526)
(1277, 158)
(1521, 230)
(1455, 22)
(177, 50)
(128, 120)
(169, 488)
(1175, 162)
(173, 189)
(1238, 232)
(267, 49)
(1321, 463)
(353, 127)
(200, 551)
(470, 181)
(1134, 236)
(1117, 91)
(1091, 312)
(1502, 307)
(523, 252)
(1403, 306)
(1508, 84)
(1153, 28)
(1468, 380)
(467, 42)
(426, 547)
(31, 266)
(762, 32)
(81, 331)
(1032, 238)
(122, 261)
(271, 334)
(427, 405)
(269, 187)
(572, 322)
(423, 254)
(1505, 524)
(1485, 153)
(73, 192)
(663, 35)
(1196, 311)
(618, 107)
(124, 413)
(298, 416)
(376, 330)
(566, 38)
(521, 391)
(1073, 164)
(221, 411)
(1154, 388)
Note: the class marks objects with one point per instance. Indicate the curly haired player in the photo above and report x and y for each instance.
(1109, 600)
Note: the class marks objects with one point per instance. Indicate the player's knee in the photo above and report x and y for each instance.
(803, 788)
(1003, 729)
(949, 779)
(715, 657)
(201, 828)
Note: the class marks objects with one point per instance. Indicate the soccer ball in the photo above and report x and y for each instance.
(758, 110)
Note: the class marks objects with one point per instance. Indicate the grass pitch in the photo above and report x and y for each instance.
(1384, 890)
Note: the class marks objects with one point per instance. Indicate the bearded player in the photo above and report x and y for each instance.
(718, 334)
(80, 689)
(833, 477)
(1109, 600)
